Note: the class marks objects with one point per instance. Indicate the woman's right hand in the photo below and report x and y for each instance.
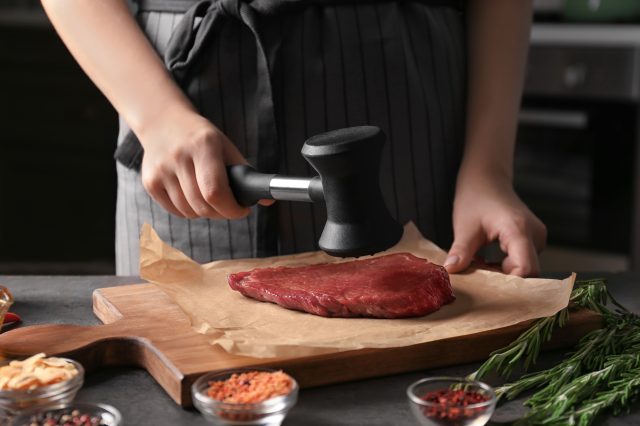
(185, 155)
(184, 167)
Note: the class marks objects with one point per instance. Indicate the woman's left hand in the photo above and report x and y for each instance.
(487, 210)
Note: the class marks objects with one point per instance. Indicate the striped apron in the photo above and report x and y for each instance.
(270, 74)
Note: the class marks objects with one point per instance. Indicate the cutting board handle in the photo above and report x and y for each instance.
(93, 346)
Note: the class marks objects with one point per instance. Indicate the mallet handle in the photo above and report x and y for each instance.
(250, 186)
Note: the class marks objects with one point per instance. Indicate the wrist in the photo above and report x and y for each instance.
(153, 121)
(491, 172)
(474, 176)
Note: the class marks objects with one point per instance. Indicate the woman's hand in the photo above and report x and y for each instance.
(185, 155)
(485, 207)
(488, 210)
(184, 167)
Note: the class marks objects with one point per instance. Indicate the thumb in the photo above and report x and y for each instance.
(467, 241)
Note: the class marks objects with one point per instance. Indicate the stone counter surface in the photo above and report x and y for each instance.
(373, 402)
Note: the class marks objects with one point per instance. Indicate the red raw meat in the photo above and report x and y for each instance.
(392, 286)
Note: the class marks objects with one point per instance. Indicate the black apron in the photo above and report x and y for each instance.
(271, 73)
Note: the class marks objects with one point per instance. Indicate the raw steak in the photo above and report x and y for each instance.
(392, 286)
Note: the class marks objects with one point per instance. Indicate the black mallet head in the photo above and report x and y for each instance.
(348, 162)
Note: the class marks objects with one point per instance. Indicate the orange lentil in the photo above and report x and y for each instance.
(250, 387)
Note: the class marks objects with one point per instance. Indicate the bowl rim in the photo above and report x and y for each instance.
(417, 400)
(6, 296)
(78, 379)
(264, 406)
(81, 405)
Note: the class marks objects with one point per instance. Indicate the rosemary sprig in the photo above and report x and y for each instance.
(621, 392)
(590, 294)
(525, 348)
(555, 377)
(590, 355)
(603, 372)
(561, 407)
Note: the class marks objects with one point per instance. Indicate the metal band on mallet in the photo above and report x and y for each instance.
(290, 188)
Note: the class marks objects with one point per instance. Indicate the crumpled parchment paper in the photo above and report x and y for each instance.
(485, 300)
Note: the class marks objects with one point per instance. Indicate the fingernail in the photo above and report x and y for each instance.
(451, 260)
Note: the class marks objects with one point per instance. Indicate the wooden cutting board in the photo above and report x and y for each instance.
(143, 327)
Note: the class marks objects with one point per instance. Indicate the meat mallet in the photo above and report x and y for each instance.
(348, 164)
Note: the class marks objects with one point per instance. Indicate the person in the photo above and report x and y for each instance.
(199, 86)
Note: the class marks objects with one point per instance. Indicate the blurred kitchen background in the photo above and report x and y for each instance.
(577, 161)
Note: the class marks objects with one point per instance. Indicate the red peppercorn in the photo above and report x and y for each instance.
(450, 404)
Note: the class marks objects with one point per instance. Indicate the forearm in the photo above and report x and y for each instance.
(106, 41)
(498, 36)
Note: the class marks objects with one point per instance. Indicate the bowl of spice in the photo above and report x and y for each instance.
(73, 414)
(6, 300)
(245, 396)
(449, 401)
(38, 381)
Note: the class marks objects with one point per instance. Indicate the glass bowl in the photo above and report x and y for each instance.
(270, 412)
(107, 414)
(436, 414)
(6, 300)
(13, 402)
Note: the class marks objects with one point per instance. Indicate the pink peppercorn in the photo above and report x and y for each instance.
(451, 404)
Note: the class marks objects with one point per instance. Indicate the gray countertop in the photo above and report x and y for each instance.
(373, 402)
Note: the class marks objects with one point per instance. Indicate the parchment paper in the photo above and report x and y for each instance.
(484, 301)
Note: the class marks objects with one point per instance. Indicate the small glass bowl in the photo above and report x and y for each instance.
(108, 414)
(270, 412)
(6, 300)
(13, 402)
(433, 414)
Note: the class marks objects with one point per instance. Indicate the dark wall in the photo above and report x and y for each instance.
(57, 175)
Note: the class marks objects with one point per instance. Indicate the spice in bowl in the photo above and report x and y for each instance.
(65, 418)
(35, 372)
(251, 387)
(252, 396)
(449, 401)
(74, 414)
(453, 404)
